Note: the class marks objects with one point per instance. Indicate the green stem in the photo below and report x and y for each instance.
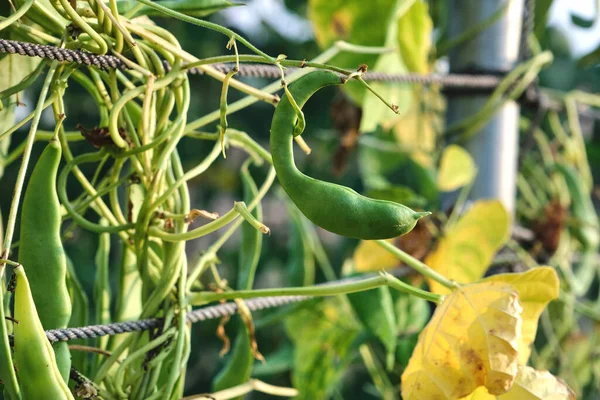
(245, 102)
(384, 279)
(417, 265)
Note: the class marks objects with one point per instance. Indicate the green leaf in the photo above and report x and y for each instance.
(322, 338)
(375, 309)
(586, 23)
(193, 8)
(238, 367)
(542, 11)
(374, 111)
(414, 37)
(275, 363)
(14, 68)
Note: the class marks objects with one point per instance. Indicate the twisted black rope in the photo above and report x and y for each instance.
(468, 82)
(201, 314)
(60, 54)
(450, 80)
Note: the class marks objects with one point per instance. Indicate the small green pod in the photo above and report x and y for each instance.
(335, 208)
(38, 373)
(41, 251)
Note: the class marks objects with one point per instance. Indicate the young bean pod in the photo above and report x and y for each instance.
(37, 368)
(335, 208)
(41, 252)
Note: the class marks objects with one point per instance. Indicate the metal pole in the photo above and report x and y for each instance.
(495, 50)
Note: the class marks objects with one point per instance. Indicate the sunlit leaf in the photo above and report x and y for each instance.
(537, 385)
(374, 111)
(536, 288)
(370, 257)
(375, 309)
(414, 37)
(468, 247)
(354, 21)
(322, 338)
(480, 393)
(471, 341)
(457, 169)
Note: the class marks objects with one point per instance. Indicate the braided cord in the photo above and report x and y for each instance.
(246, 70)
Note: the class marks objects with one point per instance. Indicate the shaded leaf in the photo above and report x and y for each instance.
(466, 250)
(457, 169)
(536, 288)
(370, 257)
(375, 309)
(239, 364)
(471, 341)
(412, 313)
(322, 338)
(14, 68)
(414, 37)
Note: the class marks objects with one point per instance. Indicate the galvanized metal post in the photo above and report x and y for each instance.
(495, 50)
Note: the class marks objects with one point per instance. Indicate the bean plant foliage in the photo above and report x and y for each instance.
(460, 307)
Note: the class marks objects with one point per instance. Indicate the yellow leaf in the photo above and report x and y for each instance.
(457, 169)
(537, 385)
(414, 37)
(468, 247)
(480, 393)
(536, 288)
(471, 341)
(369, 257)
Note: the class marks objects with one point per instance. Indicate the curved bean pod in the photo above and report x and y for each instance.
(335, 208)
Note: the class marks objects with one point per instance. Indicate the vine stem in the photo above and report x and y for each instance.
(209, 25)
(384, 279)
(187, 57)
(12, 216)
(417, 265)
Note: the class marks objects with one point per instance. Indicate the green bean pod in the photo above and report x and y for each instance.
(37, 368)
(41, 252)
(335, 208)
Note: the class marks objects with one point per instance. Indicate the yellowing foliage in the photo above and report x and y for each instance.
(457, 169)
(467, 249)
(537, 385)
(471, 340)
(536, 288)
(370, 257)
